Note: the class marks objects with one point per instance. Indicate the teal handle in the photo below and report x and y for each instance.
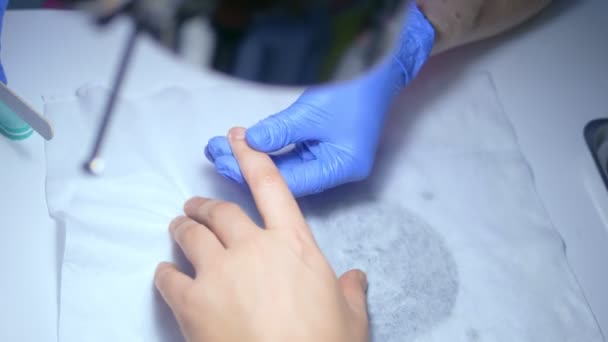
(12, 126)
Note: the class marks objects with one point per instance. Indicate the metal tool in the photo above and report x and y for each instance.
(596, 135)
(95, 165)
(299, 42)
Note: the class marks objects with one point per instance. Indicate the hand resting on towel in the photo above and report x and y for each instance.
(258, 285)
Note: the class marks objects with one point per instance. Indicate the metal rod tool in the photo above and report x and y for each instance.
(95, 165)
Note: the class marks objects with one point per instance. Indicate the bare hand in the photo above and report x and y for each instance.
(259, 285)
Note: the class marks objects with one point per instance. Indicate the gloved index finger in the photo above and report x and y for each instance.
(274, 201)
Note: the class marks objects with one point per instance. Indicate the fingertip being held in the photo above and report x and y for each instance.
(236, 133)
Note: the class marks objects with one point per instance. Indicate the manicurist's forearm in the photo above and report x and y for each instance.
(458, 22)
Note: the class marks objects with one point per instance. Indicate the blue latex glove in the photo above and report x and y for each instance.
(3, 4)
(335, 128)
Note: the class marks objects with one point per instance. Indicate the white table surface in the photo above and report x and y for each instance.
(551, 76)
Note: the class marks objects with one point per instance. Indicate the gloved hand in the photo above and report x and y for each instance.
(335, 128)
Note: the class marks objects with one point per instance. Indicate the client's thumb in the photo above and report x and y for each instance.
(354, 287)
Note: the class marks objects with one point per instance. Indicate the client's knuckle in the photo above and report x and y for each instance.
(267, 178)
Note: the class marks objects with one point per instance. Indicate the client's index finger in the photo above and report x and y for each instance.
(272, 197)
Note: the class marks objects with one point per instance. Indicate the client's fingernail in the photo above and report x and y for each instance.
(193, 204)
(176, 221)
(237, 133)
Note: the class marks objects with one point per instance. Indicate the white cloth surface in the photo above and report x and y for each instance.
(449, 227)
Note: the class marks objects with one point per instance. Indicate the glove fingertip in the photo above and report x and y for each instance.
(228, 167)
(208, 155)
(217, 147)
(258, 138)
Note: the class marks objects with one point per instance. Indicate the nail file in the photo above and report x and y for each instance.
(18, 120)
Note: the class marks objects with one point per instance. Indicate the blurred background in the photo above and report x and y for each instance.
(21, 4)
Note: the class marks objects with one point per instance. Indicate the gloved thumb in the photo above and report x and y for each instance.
(354, 287)
(289, 126)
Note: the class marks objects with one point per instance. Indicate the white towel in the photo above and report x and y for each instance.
(453, 236)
